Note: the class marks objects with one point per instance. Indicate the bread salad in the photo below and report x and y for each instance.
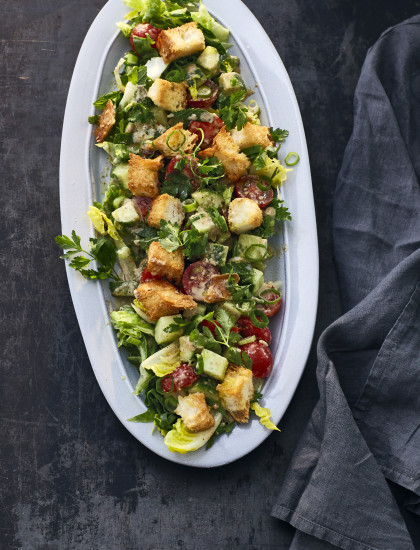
(183, 227)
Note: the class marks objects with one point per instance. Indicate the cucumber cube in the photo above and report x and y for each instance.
(214, 365)
(252, 248)
(126, 214)
(216, 254)
(186, 349)
(163, 337)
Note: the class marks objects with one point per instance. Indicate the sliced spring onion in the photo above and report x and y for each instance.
(270, 291)
(180, 145)
(254, 107)
(256, 255)
(204, 91)
(291, 159)
(190, 205)
(248, 340)
(259, 318)
(263, 187)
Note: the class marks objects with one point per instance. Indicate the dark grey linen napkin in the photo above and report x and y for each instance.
(365, 428)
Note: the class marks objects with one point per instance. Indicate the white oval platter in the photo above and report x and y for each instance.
(81, 169)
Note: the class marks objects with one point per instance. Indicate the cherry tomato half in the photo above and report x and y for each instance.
(247, 328)
(247, 187)
(141, 30)
(147, 276)
(262, 360)
(197, 278)
(182, 377)
(210, 130)
(270, 309)
(142, 205)
(201, 102)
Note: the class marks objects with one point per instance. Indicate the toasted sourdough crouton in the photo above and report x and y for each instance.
(180, 42)
(106, 121)
(165, 264)
(244, 215)
(217, 290)
(236, 392)
(166, 207)
(194, 412)
(227, 151)
(143, 180)
(171, 96)
(250, 135)
(160, 298)
(175, 139)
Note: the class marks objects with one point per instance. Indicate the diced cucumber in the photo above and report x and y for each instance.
(208, 198)
(231, 82)
(216, 254)
(200, 309)
(186, 349)
(206, 386)
(203, 222)
(163, 337)
(252, 248)
(257, 280)
(209, 59)
(214, 365)
(126, 214)
(231, 309)
(121, 173)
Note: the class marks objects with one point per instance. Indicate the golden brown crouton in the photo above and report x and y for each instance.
(171, 96)
(244, 215)
(106, 121)
(217, 290)
(174, 140)
(194, 412)
(166, 207)
(252, 134)
(236, 392)
(227, 151)
(166, 264)
(143, 178)
(180, 42)
(160, 298)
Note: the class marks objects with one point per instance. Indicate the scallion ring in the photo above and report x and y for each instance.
(253, 107)
(291, 159)
(204, 91)
(270, 291)
(190, 205)
(260, 185)
(259, 318)
(256, 258)
(180, 145)
(159, 387)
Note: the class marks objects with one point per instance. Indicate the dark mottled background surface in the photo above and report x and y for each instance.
(71, 476)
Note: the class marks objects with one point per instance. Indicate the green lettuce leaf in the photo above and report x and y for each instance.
(181, 440)
(203, 18)
(127, 321)
(164, 361)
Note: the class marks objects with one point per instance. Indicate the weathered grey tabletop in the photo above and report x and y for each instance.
(71, 475)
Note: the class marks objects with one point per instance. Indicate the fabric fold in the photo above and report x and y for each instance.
(365, 427)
